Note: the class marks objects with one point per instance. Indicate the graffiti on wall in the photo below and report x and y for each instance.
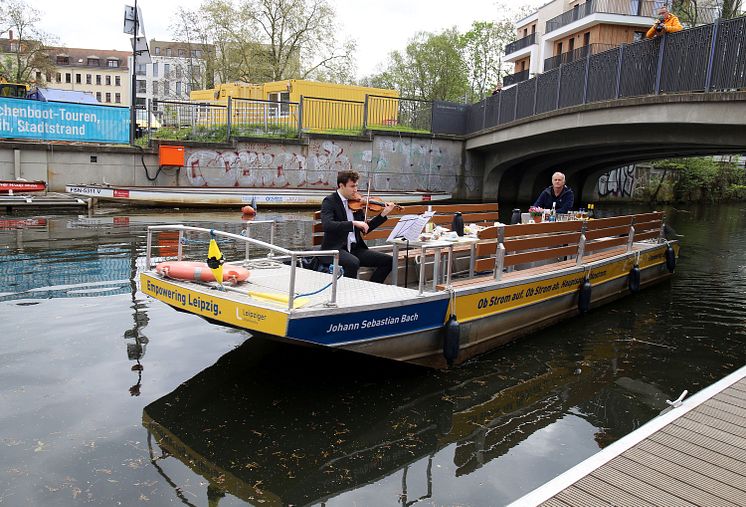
(619, 182)
(393, 164)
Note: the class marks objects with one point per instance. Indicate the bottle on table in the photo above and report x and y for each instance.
(553, 212)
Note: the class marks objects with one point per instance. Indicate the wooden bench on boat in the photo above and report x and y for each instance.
(512, 251)
(485, 214)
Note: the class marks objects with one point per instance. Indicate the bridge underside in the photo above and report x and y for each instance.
(520, 160)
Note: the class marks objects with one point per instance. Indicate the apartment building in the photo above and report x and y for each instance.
(176, 69)
(563, 31)
(103, 74)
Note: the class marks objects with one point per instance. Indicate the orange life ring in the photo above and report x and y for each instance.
(200, 271)
(248, 210)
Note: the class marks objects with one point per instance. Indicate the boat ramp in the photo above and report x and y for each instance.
(692, 454)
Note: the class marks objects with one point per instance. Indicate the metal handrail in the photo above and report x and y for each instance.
(515, 78)
(576, 54)
(294, 255)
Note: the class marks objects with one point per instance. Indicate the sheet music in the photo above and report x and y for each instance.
(410, 226)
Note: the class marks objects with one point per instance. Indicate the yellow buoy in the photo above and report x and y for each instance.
(215, 261)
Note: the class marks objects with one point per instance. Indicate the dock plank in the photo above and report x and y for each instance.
(722, 493)
(663, 482)
(706, 441)
(577, 497)
(732, 400)
(738, 412)
(634, 486)
(714, 420)
(603, 489)
(706, 462)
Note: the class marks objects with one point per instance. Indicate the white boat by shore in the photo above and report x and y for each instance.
(230, 196)
(520, 278)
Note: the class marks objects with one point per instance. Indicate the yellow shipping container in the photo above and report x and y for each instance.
(327, 107)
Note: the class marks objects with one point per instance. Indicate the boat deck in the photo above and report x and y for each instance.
(694, 454)
(273, 278)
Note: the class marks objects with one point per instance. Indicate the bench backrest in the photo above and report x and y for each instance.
(526, 243)
(482, 214)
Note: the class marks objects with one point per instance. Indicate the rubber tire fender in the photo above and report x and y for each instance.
(451, 340)
(633, 279)
(670, 259)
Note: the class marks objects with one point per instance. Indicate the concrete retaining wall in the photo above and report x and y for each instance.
(396, 163)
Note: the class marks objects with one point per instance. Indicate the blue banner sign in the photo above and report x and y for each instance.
(62, 121)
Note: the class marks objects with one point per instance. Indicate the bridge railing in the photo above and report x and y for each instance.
(702, 59)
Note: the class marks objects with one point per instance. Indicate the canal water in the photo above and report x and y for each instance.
(111, 398)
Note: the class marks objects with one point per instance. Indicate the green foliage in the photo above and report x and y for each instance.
(705, 179)
(482, 48)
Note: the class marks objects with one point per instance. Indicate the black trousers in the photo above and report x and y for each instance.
(351, 262)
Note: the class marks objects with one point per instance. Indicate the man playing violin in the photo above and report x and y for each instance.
(344, 229)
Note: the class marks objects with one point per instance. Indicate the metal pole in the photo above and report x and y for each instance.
(229, 112)
(659, 69)
(711, 60)
(133, 84)
(585, 79)
(365, 112)
(536, 91)
(559, 86)
(619, 72)
(300, 116)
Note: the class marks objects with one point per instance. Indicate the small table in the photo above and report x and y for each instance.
(437, 246)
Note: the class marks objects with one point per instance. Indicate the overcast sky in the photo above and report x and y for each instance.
(379, 26)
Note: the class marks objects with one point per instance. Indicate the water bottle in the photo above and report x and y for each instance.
(515, 218)
(458, 223)
(553, 213)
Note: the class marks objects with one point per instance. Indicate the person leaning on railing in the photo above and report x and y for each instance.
(666, 23)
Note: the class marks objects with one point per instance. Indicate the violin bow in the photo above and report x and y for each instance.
(367, 199)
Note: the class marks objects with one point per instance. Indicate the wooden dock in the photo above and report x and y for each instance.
(47, 200)
(693, 454)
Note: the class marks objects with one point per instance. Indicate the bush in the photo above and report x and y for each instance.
(704, 179)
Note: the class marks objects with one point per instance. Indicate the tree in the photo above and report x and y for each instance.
(483, 47)
(26, 53)
(300, 35)
(431, 68)
(732, 8)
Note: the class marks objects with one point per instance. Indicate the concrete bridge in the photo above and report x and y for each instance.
(586, 141)
(674, 96)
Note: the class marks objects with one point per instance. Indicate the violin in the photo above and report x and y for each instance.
(373, 204)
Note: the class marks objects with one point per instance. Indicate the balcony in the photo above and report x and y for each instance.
(520, 44)
(515, 78)
(644, 8)
(575, 54)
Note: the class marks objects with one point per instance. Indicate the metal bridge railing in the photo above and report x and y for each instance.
(702, 59)
(332, 116)
(264, 118)
(576, 54)
(398, 114)
(190, 121)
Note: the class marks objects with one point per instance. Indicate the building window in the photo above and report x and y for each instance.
(166, 69)
(108, 97)
(279, 109)
(198, 53)
(194, 53)
(113, 63)
(108, 80)
(98, 79)
(586, 38)
(166, 88)
(182, 53)
(63, 60)
(155, 69)
(98, 96)
(141, 86)
(117, 81)
(59, 77)
(177, 72)
(38, 76)
(68, 77)
(559, 48)
(155, 87)
(118, 98)
(141, 103)
(178, 87)
(168, 51)
(88, 79)
(49, 77)
(78, 79)
(93, 62)
(140, 71)
(157, 50)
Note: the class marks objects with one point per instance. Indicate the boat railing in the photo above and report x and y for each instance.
(274, 252)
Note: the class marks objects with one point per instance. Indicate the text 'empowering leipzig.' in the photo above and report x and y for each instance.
(472, 293)
(62, 121)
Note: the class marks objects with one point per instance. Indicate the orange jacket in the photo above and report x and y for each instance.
(670, 25)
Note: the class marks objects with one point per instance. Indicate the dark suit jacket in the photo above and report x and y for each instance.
(337, 227)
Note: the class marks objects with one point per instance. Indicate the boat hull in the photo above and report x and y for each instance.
(11, 186)
(230, 196)
(490, 313)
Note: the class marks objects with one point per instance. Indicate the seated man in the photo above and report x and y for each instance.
(344, 229)
(557, 193)
(666, 23)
